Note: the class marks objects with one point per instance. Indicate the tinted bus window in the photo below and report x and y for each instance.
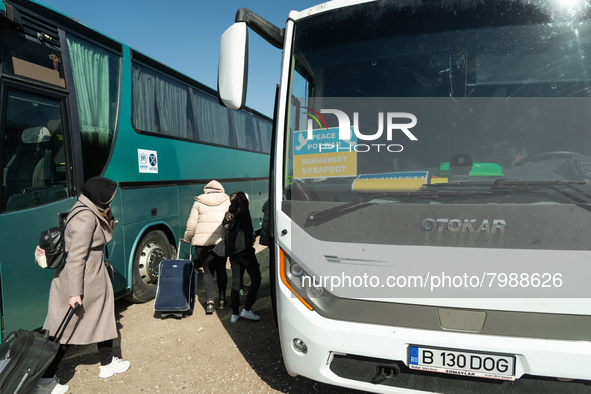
(160, 104)
(213, 120)
(96, 80)
(265, 128)
(27, 58)
(245, 127)
(34, 158)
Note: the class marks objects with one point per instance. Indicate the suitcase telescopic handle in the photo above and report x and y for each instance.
(64, 323)
(178, 250)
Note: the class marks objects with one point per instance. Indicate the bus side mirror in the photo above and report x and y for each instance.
(233, 66)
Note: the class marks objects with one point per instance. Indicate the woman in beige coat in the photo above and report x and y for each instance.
(204, 231)
(84, 280)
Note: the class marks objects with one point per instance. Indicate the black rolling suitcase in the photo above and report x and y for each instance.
(177, 284)
(25, 355)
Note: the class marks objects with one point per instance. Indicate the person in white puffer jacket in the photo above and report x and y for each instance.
(204, 231)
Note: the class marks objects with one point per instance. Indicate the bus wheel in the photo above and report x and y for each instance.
(152, 249)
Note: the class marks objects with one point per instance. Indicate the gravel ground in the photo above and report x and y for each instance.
(208, 354)
(196, 354)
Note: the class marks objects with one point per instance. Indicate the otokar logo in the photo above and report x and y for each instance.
(463, 226)
(391, 119)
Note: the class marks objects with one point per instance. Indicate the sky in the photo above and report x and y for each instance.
(185, 35)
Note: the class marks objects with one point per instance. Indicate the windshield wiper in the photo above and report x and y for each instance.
(318, 217)
(502, 184)
(499, 186)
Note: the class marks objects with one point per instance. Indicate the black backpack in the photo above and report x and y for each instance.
(52, 241)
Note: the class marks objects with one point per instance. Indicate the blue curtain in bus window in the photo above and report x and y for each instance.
(265, 129)
(247, 136)
(213, 120)
(160, 104)
(96, 81)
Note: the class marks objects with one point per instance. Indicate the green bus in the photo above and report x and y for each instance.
(77, 104)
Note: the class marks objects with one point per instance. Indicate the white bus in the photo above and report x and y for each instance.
(430, 192)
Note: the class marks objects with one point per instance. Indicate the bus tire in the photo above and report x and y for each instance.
(152, 249)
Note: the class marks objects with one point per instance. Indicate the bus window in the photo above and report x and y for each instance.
(213, 120)
(27, 58)
(34, 158)
(161, 104)
(246, 133)
(265, 128)
(96, 79)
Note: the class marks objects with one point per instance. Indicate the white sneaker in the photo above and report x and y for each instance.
(235, 318)
(249, 315)
(116, 366)
(53, 387)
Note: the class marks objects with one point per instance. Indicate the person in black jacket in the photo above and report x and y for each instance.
(239, 246)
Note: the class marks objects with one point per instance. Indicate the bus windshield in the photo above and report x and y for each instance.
(477, 111)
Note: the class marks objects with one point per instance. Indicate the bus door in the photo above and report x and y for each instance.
(36, 188)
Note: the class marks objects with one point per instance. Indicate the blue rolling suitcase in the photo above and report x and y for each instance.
(177, 285)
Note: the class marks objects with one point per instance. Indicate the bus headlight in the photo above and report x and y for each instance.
(303, 285)
(296, 270)
(291, 275)
(315, 290)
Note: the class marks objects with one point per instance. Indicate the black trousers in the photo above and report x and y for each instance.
(212, 265)
(248, 260)
(105, 351)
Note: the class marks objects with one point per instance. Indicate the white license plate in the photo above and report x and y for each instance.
(462, 362)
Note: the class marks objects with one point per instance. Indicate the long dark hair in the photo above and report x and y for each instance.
(238, 207)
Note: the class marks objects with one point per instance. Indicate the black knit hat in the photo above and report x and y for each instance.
(100, 191)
